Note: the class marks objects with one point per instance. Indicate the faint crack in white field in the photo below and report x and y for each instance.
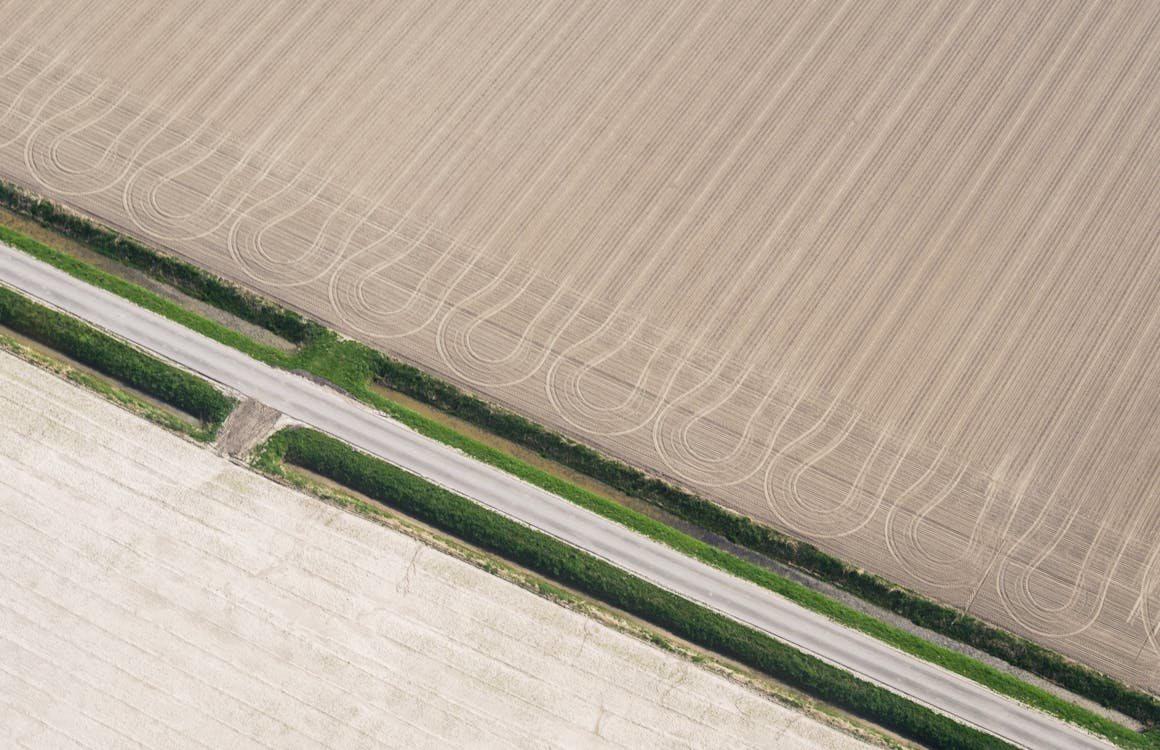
(153, 593)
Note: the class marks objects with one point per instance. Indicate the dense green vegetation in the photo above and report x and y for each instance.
(110, 391)
(179, 274)
(773, 544)
(89, 346)
(355, 367)
(143, 297)
(553, 559)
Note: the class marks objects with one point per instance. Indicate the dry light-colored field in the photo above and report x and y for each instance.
(155, 595)
(883, 274)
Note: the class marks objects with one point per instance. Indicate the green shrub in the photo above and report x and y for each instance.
(567, 565)
(184, 276)
(112, 357)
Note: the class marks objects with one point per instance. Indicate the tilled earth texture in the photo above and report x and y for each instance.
(884, 275)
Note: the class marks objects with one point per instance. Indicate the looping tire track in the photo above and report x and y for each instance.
(523, 359)
(276, 269)
(140, 194)
(1053, 620)
(747, 456)
(642, 398)
(612, 369)
(42, 152)
(941, 569)
(356, 307)
(836, 521)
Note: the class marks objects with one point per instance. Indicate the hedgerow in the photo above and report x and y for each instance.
(184, 276)
(579, 570)
(102, 352)
(742, 531)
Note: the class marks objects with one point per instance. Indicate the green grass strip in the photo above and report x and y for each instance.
(354, 366)
(106, 354)
(571, 567)
(201, 432)
(136, 294)
(178, 274)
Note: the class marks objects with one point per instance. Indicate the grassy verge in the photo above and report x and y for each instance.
(102, 352)
(184, 276)
(355, 367)
(142, 297)
(547, 556)
(200, 432)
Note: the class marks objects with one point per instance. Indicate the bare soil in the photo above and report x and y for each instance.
(883, 275)
(249, 424)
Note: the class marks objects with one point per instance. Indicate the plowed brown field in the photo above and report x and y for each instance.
(155, 595)
(885, 275)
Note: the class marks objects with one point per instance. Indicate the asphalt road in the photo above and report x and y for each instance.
(331, 412)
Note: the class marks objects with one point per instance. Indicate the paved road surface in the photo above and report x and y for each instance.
(333, 413)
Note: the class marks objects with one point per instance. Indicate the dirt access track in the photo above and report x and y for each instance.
(883, 275)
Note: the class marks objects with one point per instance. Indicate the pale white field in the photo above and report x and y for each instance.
(881, 274)
(153, 594)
